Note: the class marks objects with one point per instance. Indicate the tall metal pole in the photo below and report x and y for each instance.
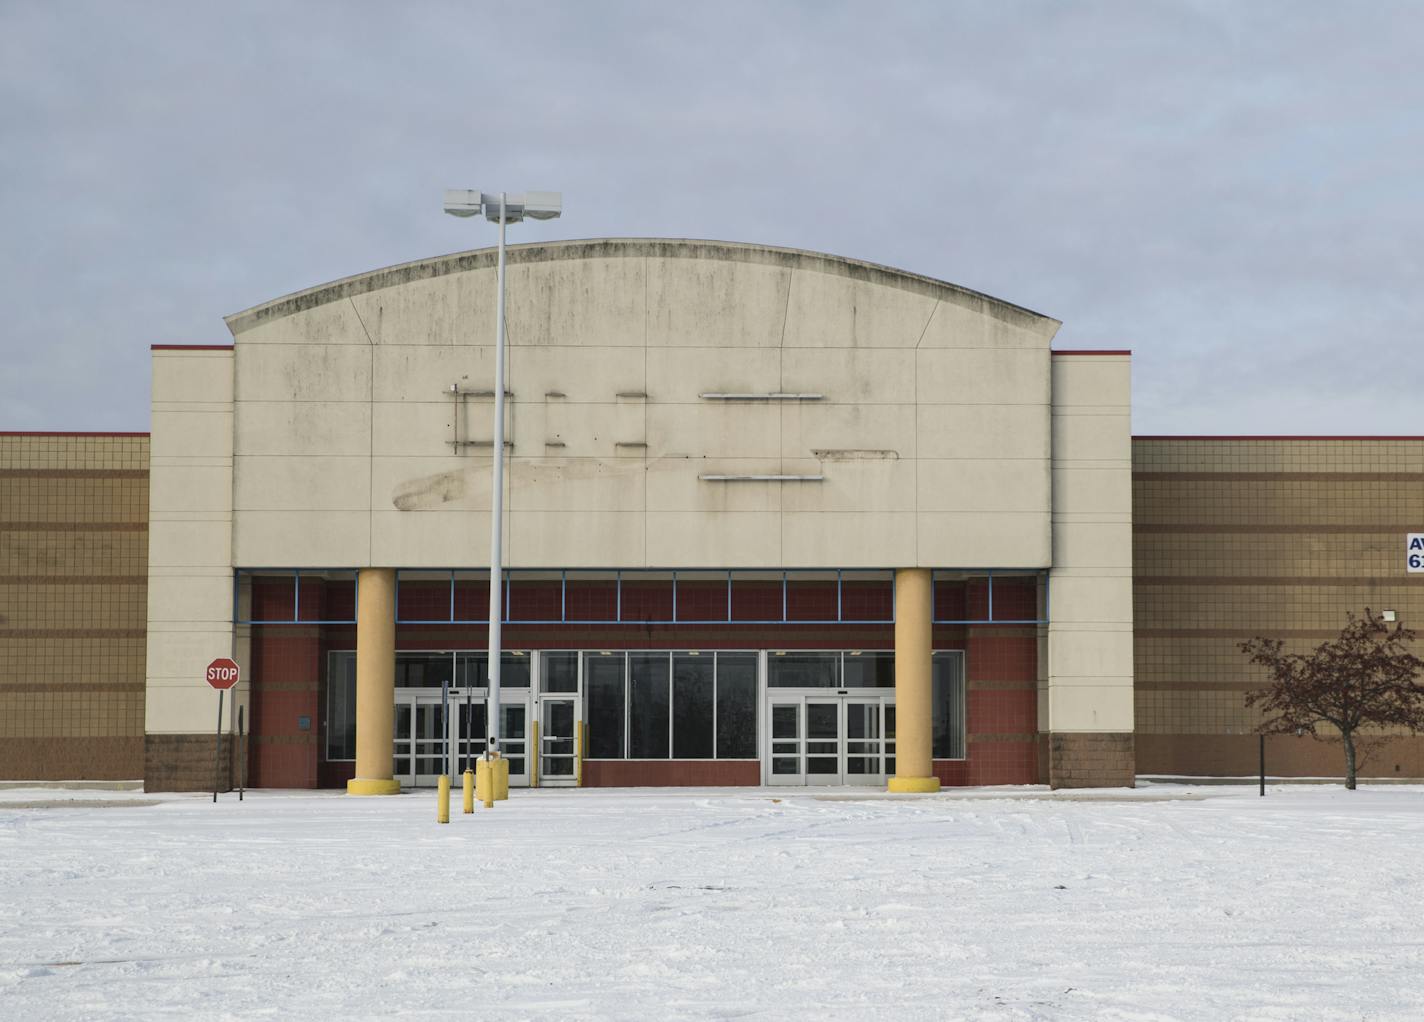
(496, 595)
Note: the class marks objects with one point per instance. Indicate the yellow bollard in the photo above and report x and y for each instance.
(578, 754)
(469, 790)
(484, 787)
(442, 810)
(501, 779)
(492, 780)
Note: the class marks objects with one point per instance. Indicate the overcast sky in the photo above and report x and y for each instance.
(1232, 190)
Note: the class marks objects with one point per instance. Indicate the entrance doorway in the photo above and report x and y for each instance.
(830, 739)
(559, 723)
(432, 737)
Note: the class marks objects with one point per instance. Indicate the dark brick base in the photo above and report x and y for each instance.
(1013, 760)
(1286, 756)
(71, 759)
(335, 775)
(185, 763)
(1091, 760)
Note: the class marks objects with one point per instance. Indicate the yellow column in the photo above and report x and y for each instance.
(914, 725)
(375, 683)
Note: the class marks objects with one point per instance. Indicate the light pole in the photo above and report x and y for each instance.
(502, 209)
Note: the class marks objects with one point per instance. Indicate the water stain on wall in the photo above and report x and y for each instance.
(429, 491)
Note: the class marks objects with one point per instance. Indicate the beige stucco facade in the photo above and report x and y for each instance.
(1088, 701)
(931, 432)
(929, 427)
(190, 588)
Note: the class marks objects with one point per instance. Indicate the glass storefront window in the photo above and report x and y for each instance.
(648, 706)
(340, 706)
(948, 700)
(692, 705)
(686, 705)
(659, 705)
(736, 706)
(604, 703)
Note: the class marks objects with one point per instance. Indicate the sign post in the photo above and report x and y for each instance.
(241, 754)
(222, 674)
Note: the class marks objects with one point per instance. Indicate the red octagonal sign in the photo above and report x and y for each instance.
(222, 673)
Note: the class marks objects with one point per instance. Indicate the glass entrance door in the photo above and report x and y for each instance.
(429, 743)
(824, 733)
(787, 761)
(471, 727)
(863, 741)
(558, 741)
(470, 734)
(820, 739)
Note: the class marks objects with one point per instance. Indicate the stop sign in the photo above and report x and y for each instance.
(222, 673)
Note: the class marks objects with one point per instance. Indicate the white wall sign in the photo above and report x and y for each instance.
(1414, 552)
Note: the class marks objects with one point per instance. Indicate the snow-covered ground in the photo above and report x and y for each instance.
(1163, 903)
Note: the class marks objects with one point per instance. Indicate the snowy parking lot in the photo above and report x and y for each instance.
(1167, 902)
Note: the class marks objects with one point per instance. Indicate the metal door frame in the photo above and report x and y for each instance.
(798, 778)
(424, 748)
(571, 779)
(405, 746)
(881, 701)
(509, 747)
(801, 699)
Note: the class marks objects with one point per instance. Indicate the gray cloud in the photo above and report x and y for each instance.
(1229, 189)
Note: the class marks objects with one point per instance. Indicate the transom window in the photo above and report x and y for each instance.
(830, 669)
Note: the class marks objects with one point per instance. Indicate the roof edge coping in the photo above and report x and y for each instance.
(549, 251)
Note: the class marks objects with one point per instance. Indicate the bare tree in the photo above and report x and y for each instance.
(1366, 678)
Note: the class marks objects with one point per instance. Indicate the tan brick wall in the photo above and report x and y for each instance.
(1277, 537)
(73, 605)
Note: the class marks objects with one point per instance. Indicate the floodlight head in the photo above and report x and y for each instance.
(543, 205)
(463, 202)
(535, 205)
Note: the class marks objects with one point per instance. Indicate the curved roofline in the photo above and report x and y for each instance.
(612, 248)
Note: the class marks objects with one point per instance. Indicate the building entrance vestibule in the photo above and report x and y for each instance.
(434, 737)
(830, 738)
(806, 717)
(442, 725)
(559, 723)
